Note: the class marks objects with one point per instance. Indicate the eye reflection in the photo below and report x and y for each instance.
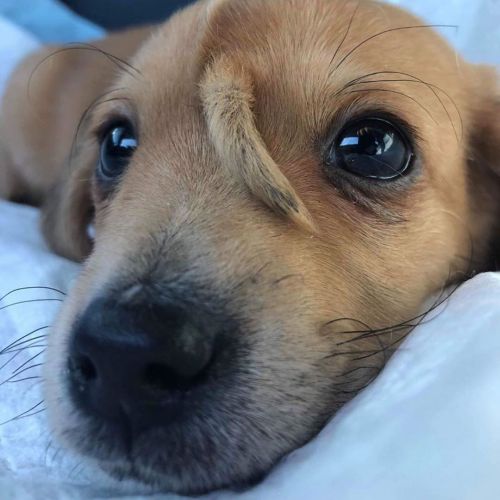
(371, 148)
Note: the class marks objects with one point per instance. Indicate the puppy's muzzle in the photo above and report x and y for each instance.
(138, 364)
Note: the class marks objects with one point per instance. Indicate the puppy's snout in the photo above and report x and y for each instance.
(137, 362)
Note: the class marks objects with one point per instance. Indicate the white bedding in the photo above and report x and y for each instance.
(427, 428)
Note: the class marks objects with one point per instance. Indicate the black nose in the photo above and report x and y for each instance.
(138, 361)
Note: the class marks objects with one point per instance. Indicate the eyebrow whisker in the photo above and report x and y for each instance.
(433, 88)
(391, 30)
(394, 92)
(120, 63)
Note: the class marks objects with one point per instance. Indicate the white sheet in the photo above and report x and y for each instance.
(427, 428)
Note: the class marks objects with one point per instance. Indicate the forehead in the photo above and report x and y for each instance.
(308, 59)
(313, 64)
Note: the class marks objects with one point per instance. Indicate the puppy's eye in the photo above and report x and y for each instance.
(117, 146)
(372, 148)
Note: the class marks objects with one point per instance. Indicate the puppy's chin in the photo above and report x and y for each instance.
(189, 458)
(126, 471)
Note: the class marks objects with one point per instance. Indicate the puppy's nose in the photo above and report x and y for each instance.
(136, 360)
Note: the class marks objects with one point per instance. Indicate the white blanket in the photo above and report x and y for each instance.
(427, 428)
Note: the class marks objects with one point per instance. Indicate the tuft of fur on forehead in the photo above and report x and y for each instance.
(227, 97)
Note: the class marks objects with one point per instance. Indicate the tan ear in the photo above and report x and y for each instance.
(68, 210)
(46, 104)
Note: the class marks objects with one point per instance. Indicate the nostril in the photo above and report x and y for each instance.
(82, 369)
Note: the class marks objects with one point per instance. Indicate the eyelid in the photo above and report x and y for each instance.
(116, 120)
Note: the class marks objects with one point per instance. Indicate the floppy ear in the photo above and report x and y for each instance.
(484, 160)
(42, 107)
(45, 105)
(67, 211)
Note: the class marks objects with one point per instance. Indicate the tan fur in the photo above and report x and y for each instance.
(235, 102)
(228, 99)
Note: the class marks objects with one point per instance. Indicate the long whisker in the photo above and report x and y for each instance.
(35, 345)
(25, 369)
(414, 79)
(12, 381)
(346, 34)
(391, 30)
(31, 288)
(98, 101)
(406, 324)
(9, 360)
(120, 63)
(20, 367)
(28, 302)
(24, 339)
(395, 92)
(24, 413)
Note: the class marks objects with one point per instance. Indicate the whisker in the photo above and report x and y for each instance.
(391, 30)
(347, 353)
(359, 368)
(29, 301)
(356, 391)
(28, 346)
(28, 361)
(398, 93)
(339, 320)
(9, 381)
(18, 372)
(286, 278)
(31, 414)
(9, 360)
(12, 377)
(24, 339)
(24, 413)
(407, 327)
(120, 63)
(98, 101)
(31, 288)
(346, 34)
(433, 88)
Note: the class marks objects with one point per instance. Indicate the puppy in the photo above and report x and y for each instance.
(276, 188)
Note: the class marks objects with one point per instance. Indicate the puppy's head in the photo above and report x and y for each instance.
(277, 188)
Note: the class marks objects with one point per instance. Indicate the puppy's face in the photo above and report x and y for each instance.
(276, 185)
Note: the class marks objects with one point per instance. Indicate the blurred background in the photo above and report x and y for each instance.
(115, 14)
(477, 35)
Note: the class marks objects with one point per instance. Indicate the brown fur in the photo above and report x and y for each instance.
(235, 102)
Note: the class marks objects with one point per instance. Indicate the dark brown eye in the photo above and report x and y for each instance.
(372, 148)
(117, 146)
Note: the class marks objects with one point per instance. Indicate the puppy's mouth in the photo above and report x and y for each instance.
(182, 406)
(184, 440)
